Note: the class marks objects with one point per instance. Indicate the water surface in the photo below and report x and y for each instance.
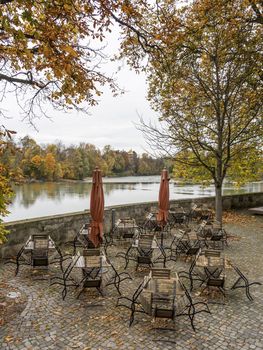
(49, 198)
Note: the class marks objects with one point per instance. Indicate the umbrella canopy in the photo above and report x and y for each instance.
(96, 208)
(162, 215)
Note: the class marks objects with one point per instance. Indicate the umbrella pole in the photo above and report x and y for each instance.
(162, 238)
(162, 248)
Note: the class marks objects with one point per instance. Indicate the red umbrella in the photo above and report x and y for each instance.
(96, 208)
(162, 215)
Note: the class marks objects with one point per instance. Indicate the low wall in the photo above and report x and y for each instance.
(64, 227)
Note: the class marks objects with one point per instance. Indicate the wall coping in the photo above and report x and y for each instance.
(86, 211)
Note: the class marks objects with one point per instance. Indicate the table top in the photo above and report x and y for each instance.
(213, 261)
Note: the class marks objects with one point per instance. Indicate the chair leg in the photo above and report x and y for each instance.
(81, 291)
(132, 314)
(100, 291)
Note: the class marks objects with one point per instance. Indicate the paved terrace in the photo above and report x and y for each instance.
(39, 319)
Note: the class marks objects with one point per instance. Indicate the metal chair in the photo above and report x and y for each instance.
(193, 274)
(215, 279)
(132, 303)
(113, 277)
(243, 282)
(65, 278)
(218, 238)
(187, 307)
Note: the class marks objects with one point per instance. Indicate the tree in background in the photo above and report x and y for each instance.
(53, 162)
(204, 68)
(6, 192)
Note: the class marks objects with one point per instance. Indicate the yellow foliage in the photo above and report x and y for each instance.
(44, 41)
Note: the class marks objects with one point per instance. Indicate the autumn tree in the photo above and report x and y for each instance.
(51, 51)
(203, 63)
(6, 192)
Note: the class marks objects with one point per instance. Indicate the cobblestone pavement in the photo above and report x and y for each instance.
(93, 322)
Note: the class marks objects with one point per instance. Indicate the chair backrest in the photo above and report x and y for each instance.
(160, 273)
(149, 216)
(92, 257)
(193, 206)
(148, 236)
(177, 208)
(181, 233)
(145, 241)
(91, 252)
(128, 221)
(85, 227)
(40, 242)
(93, 261)
(211, 252)
(165, 287)
(140, 288)
(200, 228)
(154, 209)
(203, 224)
(118, 222)
(193, 264)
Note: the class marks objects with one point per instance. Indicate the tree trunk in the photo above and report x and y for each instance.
(219, 203)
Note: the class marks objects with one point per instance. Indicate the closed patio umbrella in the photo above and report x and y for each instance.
(162, 216)
(96, 208)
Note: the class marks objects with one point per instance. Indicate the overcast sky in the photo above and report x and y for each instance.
(111, 122)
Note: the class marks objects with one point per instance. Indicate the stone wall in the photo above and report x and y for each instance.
(64, 227)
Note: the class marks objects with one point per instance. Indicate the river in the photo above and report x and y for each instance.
(50, 198)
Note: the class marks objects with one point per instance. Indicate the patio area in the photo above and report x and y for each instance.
(37, 317)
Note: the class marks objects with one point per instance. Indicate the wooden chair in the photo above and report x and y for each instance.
(92, 272)
(39, 256)
(163, 299)
(145, 251)
(215, 279)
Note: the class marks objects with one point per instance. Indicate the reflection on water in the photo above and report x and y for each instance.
(41, 199)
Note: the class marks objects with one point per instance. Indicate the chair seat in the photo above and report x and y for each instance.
(216, 282)
(92, 283)
(163, 313)
(192, 251)
(144, 259)
(128, 235)
(216, 238)
(40, 261)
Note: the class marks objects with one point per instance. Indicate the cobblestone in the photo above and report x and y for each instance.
(48, 322)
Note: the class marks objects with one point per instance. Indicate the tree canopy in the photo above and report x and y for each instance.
(54, 162)
(51, 50)
(204, 68)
